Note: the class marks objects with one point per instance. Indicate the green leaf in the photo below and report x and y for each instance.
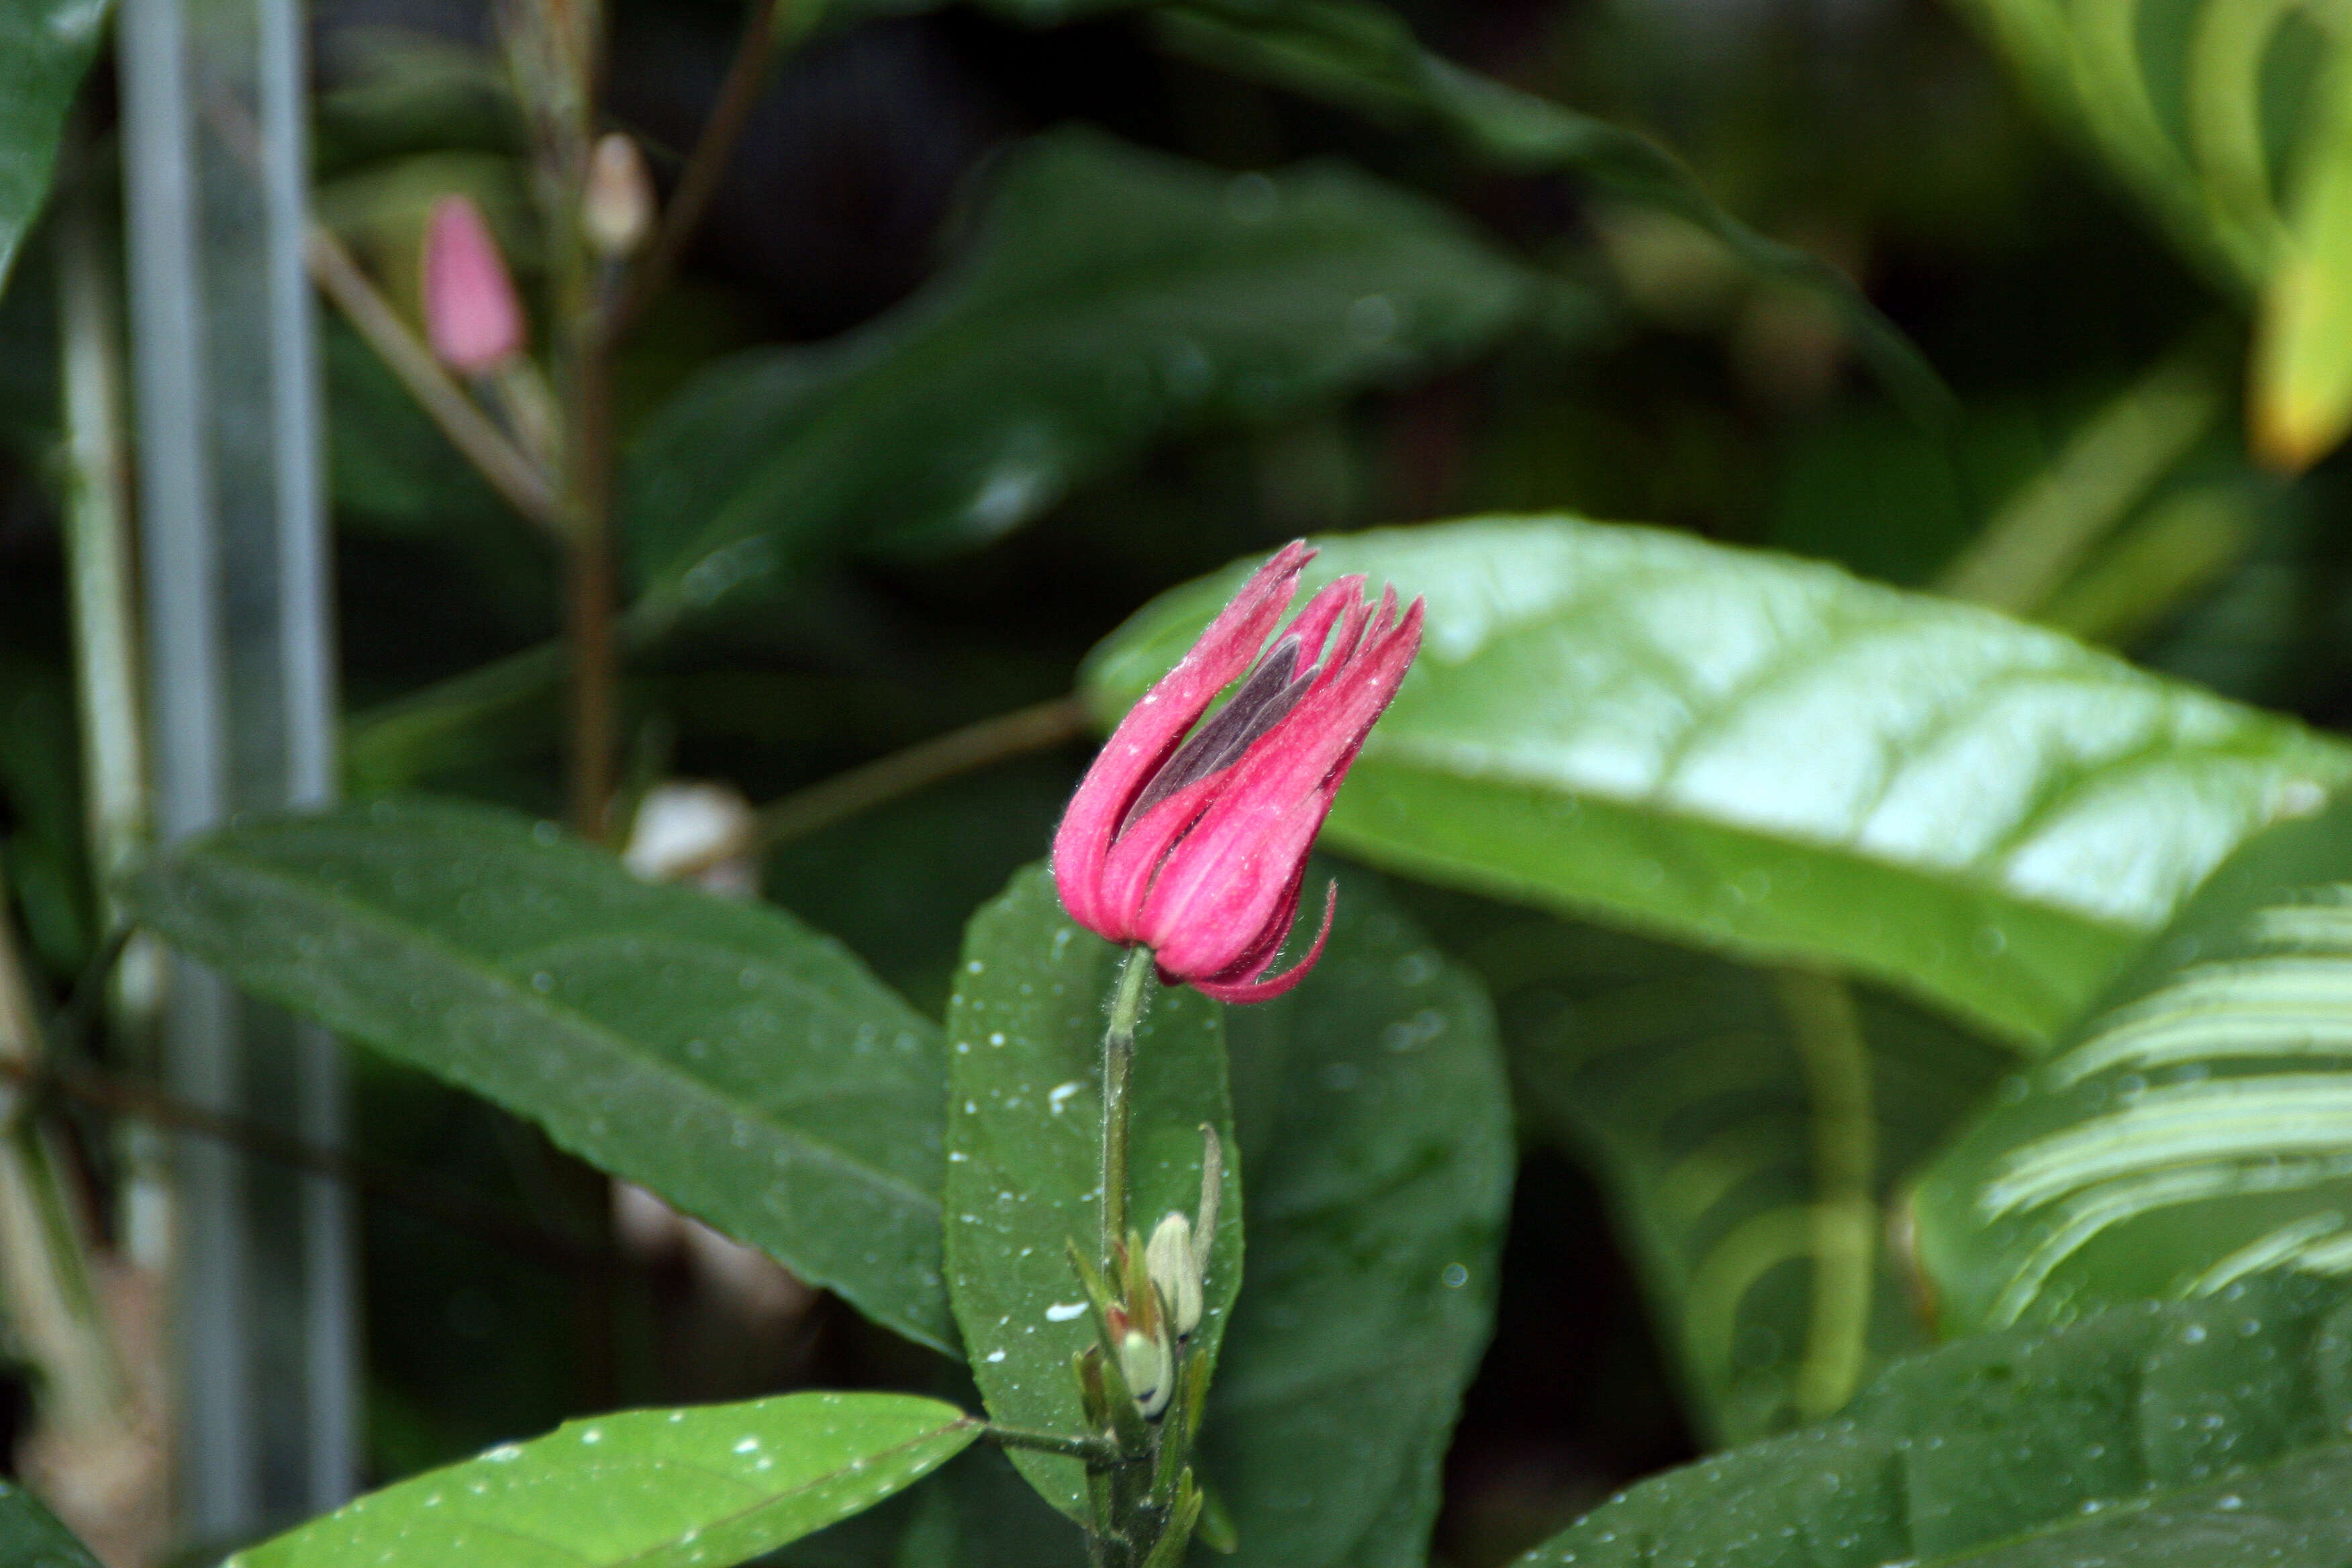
(1109, 297)
(2203, 108)
(1746, 1149)
(698, 1487)
(1024, 1130)
(2301, 389)
(2191, 1133)
(2199, 1433)
(31, 1537)
(1365, 56)
(742, 1065)
(45, 47)
(1375, 1122)
(1768, 757)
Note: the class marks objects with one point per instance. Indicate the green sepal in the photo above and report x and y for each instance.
(1216, 1528)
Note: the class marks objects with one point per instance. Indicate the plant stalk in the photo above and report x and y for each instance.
(698, 183)
(1845, 1221)
(473, 432)
(1127, 1007)
(45, 1254)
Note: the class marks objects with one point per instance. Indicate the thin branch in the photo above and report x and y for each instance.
(472, 431)
(424, 1195)
(745, 75)
(1094, 1450)
(901, 773)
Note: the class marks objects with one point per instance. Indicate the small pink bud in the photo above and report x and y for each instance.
(471, 314)
(1196, 848)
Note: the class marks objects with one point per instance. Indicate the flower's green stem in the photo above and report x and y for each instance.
(1119, 1060)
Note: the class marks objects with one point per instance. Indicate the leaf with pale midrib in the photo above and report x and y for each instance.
(2204, 1433)
(2197, 1128)
(1110, 296)
(741, 1065)
(1376, 1127)
(701, 1488)
(1769, 757)
(1680, 1080)
(1024, 1139)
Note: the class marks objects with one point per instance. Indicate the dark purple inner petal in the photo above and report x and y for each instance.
(1268, 693)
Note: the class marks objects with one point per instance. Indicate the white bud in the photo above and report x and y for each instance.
(1149, 1368)
(619, 208)
(1175, 1271)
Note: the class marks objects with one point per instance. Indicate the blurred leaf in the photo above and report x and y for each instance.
(2194, 1131)
(43, 859)
(2043, 532)
(45, 47)
(1375, 1124)
(898, 883)
(2301, 391)
(976, 1513)
(1110, 296)
(1025, 1142)
(2162, 1436)
(714, 1485)
(1365, 56)
(31, 1537)
(2184, 544)
(741, 1065)
(982, 1514)
(2172, 94)
(1766, 757)
(2203, 108)
(1694, 1089)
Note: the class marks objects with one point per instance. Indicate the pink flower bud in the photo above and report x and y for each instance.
(471, 314)
(1197, 848)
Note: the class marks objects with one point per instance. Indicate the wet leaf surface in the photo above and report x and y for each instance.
(745, 1068)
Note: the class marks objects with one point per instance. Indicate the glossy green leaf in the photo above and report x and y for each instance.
(1109, 296)
(1746, 1149)
(1375, 1124)
(698, 1487)
(2196, 1129)
(1365, 56)
(45, 47)
(1768, 757)
(742, 1065)
(31, 1537)
(1024, 1130)
(977, 1512)
(2201, 1434)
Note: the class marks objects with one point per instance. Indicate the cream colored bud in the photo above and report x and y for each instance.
(1149, 1368)
(618, 211)
(1175, 1271)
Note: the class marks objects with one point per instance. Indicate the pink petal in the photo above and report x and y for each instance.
(1224, 880)
(1156, 725)
(1344, 598)
(1247, 991)
(471, 314)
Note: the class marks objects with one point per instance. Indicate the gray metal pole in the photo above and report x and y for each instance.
(242, 704)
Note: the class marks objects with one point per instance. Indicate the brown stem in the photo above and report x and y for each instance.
(461, 419)
(901, 773)
(589, 595)
(421, 1194)
(698, 183)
